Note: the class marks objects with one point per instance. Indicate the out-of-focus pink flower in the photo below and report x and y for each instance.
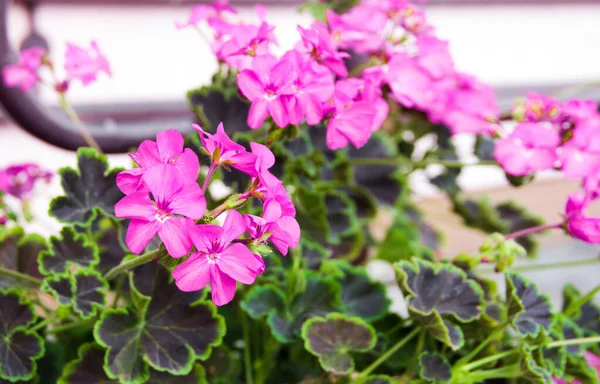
(168, 149)
(171, 212)
(217, 261)
(434, 56)
(264, 161)
(24, 73)
(225, 151)
(85, 64)
(581, 111)
(19, 180)
(318, 44)
(530, 147)
(264, 85)
(350, 31)
(285, 231)
(411, 85)
(413, 20)
(580, 156)
(244, 43)
(578, 224)
(537, 107)
(204, 12)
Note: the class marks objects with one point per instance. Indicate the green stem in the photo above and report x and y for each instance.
(118, 289)
(217, 211)
(482, 345)
(489, 359)
(578, 341)
(130, 264)
(389, 353)
(293, 281)
(574, 307)
(44, 323)
(508, 371)
(66, 106)
(20, 276)
(414, 361)
(247, 357)
(66, 327)
(566, 264)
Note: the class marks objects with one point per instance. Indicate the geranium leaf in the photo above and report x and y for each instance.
(222, 366)
(213, 105)
(402, 240)
(586, 316)
(578, 367)
(331, 338)
(19, 252)
(362, 296)
(484, 148)
(261, 300)
(71, 249)
(19, 348)
(110, 249)
(320, 297)
(313, 254)
(529, 309)
(166, 329)
(434, 368)
(531, 371)
(378, 379)
(90, 190)
(196, 376)
(84, 291)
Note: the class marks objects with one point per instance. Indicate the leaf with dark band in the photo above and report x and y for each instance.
(434, 368)
(361, 296)
(529, 309)
(90, 190)
(214, 105)
(262, 300)
(331, 339)
(19, 348)
(71, 249)
(84, 291)
(166, 329)
(19, 252)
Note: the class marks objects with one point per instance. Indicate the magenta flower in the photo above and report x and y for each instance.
(246, 42)
(530, 147)
(170, 212)
(581, 111)
(318, 44)
(577, 223)
(24, 73)
(351, 32)
(285, 231)
(85, 65)
(413, 20)
(434, 56)
(580, 156)
(19, 180)
(537, 107)
(264, 85)
(411, 85)
(264, 161)
(217, 261)
(224, 151)
(202, 13)
(168, 149)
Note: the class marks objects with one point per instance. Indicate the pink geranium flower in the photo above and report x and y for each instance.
(580, 156)
(24, 73)
(246, 42)
(285, 231)
(168, 149)
(217, 261)
(264, 161)
(537, 107)
(318, 44)
(530, 147)
(85, 64)
(203, 12)
(19, 180)
(434, 56)
(351, 32)
(411, 85)
(578, 224)
(265, 85)
(170, 212)
(224, 151)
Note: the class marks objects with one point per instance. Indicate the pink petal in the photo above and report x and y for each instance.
(188, 165)
(261, 65)
(233, 227)
(170, 144)
(136, 206)
(146, 155)
(250, 85)
(222, 287)
(334, 139)
(271, 211)
(204, 236)
(164, 181)
(130, 181)
(139, 234)
(278, 112)
(288, 234)
(282, 74)
(188, 202)
(258, 113)
(239, 263)
(193, 274)
(264, 157)
(174, 233)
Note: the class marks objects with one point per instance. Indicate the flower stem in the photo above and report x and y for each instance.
(20, 276)
(389, 353)
(209, 175)
(131, 264)
(489, 359)
(532, 230)
(577, 304)
(66, 327)
(565, 264)
(509, 371)
(44, 323)
(218, 210)
(578, 341)
(66, 106)
(482, 345)
(247, 357)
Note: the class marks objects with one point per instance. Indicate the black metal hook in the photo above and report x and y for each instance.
(53, 126)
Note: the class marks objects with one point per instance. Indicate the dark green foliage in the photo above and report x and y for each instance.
(434, 368)
(214, 105)
(530, 310)
(331, 338)
(70, 250)
(19, 252)
(89, 191)
(83, 291)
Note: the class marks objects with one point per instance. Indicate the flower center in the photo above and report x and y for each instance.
(161, 215)
(213, 257)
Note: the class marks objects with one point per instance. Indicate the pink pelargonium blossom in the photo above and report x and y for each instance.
(411, 85)
(85, 64)
(311, 88)
(224, 151)
(285, 231)
(168, 149)
(19, 180)
(264, 161)
(203, 12)
(245, 43)
(434, 56)
(578, 224)
(580, 156)
(265, 85)
(217, 261)
(170, 213)
(24, 74)
(318, 44)
(530, 147)
(413, 19)
(581, 111)
(537, 107)
(351, 32)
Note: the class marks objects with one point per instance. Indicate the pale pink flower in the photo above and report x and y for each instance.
(580, 156)
(434, 56)
(217, 261)
(411, 85)
(204, 12)
(24, 74)
(350, 31)
(578, 224)
(85, 64)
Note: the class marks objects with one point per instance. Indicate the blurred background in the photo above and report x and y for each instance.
(516, 46)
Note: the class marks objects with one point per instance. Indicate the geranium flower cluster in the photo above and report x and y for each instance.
(559, 136)
(310, 82)
(164, 198)
(19, 180)
(80, 64)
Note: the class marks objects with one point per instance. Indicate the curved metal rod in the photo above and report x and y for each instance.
(54, 127)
